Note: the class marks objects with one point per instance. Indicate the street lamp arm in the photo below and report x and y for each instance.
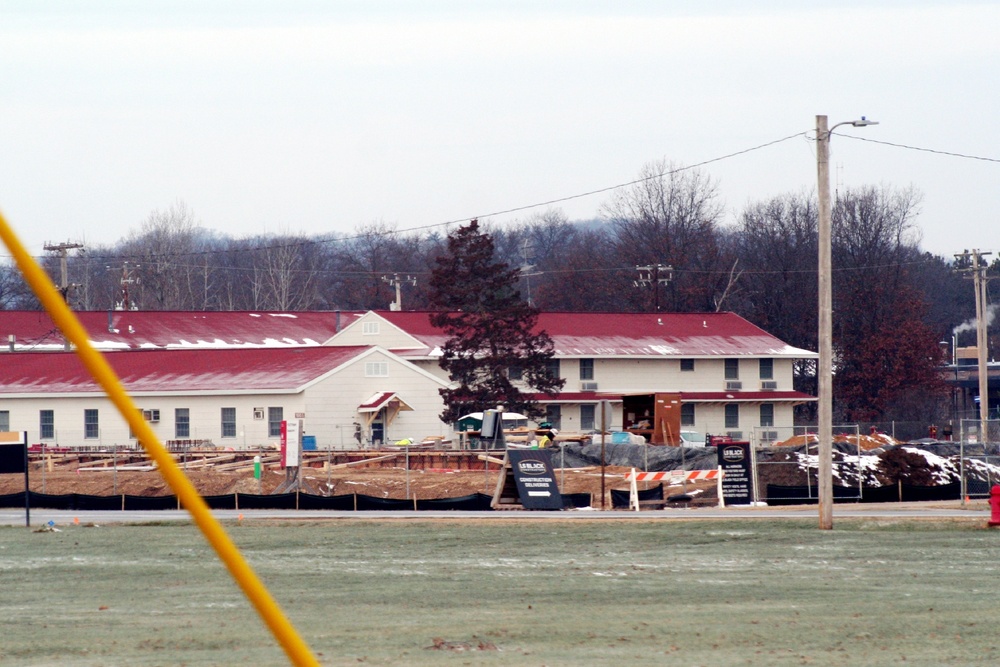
(862, 122)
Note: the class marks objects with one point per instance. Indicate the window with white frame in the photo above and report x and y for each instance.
(732, 415)
(767, 369)
(587, 413)
(274, 419)
(5, 420)
(767, 414)
(376, 369)
(586, 369)
(91, 426)
(228, 422)
(687, 365)
(46, 424)
(687, 414)
(732, 369)
(369, 328)
(182, 422)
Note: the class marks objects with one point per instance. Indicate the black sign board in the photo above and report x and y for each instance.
(530, 473)
(737, 475)
(13, 458)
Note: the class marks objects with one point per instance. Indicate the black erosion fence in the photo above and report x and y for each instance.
(476, 502)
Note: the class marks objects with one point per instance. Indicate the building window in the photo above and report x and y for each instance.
(4, 420)
(369, 328)
(376, 369)
(732, 415)
(182, 422)
(228, 422)
(732, 369)
(552, 368)
(586, 369)
(587, 413)
(274, 418)
(687, 365)
(515, 373)
(767, 369)
(46, 424)
(553, 415)
(687, 414)
(767, 414)
(91, 428)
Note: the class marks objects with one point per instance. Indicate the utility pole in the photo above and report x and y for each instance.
(64, 285)
(126, 280)
(979, 280)
(527, 268)
(63, 249)
(655, 275)
(398, 282)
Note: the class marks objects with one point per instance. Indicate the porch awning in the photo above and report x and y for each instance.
(384, 399)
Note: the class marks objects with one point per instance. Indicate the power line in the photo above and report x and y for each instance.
(923, 150)
(516, 209)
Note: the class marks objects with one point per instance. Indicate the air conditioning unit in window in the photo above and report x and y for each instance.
(258, 414)
(768, 385)
(768, 436)
(733, 385)
(735, 435)
(152, 416)
(588, 386)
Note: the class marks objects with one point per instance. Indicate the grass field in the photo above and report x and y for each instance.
(751, 592)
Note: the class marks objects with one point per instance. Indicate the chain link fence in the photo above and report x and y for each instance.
(789, 456)
(980, 457)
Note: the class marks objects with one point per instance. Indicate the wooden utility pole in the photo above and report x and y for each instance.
(655, 275)
(979, 280)
(398, 282)
(64, 285)
(63, 249)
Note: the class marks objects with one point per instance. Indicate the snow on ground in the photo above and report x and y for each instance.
(847, 468)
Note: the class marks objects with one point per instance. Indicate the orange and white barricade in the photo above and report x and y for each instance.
(670, 475)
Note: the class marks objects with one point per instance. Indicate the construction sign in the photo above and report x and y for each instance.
(527, 481)
(13, 452)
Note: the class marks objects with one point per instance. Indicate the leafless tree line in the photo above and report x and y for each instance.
(759, 263)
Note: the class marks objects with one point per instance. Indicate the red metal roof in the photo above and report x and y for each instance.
(34, 330)
(631, 334)
(163, 371)
(574, 334)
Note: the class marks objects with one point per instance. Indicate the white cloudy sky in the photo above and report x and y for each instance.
(318, 117)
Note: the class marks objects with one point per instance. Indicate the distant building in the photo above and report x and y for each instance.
(365, 377)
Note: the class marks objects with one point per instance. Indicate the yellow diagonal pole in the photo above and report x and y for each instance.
(296, 649)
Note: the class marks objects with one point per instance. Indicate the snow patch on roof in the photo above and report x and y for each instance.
(294, 317)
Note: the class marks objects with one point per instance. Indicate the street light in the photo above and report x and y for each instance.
(825, 372)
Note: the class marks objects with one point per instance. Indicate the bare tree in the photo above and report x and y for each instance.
(671, 216)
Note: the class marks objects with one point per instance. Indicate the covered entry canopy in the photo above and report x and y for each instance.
(388, 400)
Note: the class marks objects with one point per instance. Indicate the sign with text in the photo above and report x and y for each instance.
(535, 479)
(13, 452)
(737, 480)
(290, 444)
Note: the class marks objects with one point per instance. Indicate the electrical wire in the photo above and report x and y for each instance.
(516, 209)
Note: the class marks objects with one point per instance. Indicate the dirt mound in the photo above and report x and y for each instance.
(866, 442)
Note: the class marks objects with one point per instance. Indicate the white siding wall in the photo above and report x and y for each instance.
(665, 375)
(332, 404)
(387, 335)
(205, 418)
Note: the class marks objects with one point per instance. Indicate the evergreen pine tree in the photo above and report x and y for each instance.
(492, 332)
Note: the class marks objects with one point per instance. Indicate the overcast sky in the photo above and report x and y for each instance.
(320, 117)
